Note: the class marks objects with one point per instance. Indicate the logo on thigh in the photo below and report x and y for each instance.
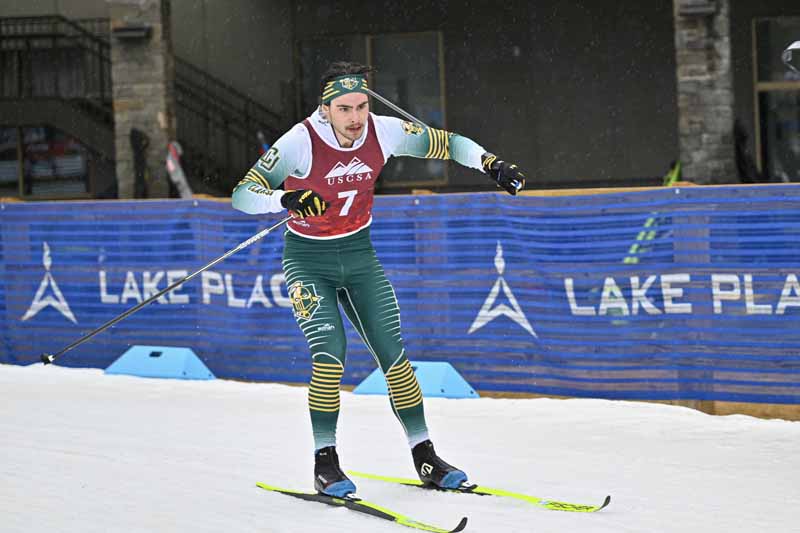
(305, 300)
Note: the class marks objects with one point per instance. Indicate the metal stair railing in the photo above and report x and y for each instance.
(53, 57)
(217, 124)
(40, 35)
(99, 27)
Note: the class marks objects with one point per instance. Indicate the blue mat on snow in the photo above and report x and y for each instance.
(160, 362)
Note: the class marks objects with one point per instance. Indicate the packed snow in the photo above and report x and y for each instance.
(87, 452)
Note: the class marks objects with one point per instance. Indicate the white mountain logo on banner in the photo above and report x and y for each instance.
(356, 166)
(489, 311)
(54, 298)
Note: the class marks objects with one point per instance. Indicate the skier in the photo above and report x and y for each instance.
(328, 164)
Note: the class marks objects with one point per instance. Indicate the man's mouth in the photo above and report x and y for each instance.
(354, 129)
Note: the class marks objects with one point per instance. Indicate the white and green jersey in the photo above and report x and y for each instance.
(292, 155)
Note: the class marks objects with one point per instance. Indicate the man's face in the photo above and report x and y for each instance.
(348, 115)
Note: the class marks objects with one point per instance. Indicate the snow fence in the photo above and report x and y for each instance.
(676, 293)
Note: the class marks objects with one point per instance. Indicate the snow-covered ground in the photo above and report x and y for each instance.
(84, 452)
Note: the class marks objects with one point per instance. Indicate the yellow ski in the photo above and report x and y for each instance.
(364, 507)
(553, 505)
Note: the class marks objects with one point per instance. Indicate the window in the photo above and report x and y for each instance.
(777, 102)
(54, 163)
(9, 162)
(43, 162)
(410, 73)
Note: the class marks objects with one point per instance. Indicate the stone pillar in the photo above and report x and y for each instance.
(142, 73)
(705, 90)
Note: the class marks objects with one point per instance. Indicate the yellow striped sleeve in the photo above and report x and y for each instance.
(254, 177)
(258, 178)
(439, 144)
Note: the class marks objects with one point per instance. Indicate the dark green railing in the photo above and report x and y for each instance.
(53, 57)
(218, 125)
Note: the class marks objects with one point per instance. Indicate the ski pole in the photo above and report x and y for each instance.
(394, 107)
(49, 358)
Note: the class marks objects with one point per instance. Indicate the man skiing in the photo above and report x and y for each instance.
(328, 164)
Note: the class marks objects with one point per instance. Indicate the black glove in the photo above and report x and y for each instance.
(304, 203)
(506, 175)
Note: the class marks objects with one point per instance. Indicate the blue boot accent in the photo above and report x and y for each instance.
(340, 489)
(453, 480)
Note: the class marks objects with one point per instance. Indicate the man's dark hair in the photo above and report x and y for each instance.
(342, 68)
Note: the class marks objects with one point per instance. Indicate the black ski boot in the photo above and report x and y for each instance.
(433, 470)
(328, 477)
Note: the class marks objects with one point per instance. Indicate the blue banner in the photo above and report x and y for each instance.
(678, 293)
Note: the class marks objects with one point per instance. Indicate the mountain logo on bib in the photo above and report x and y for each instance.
(355, 170)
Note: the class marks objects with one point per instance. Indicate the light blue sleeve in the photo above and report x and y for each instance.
(258, 192)
(403, 138)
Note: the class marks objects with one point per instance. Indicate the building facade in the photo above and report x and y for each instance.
(579, 93)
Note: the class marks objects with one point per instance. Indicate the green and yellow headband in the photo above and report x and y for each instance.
(349, 83)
